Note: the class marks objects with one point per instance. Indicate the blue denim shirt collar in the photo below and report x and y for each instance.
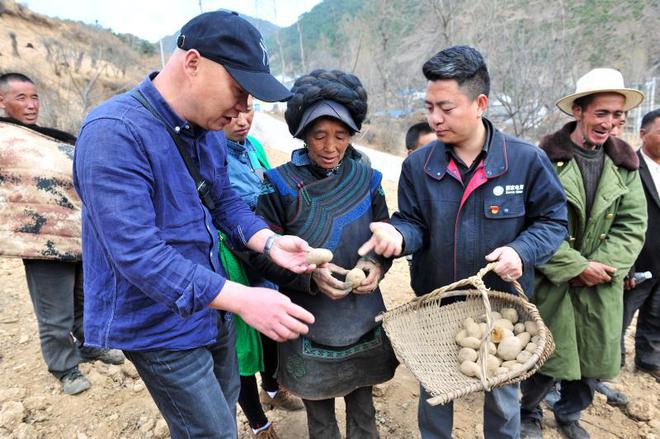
(147, 88)
(237, 148)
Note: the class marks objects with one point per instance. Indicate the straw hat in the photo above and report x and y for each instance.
(601, 81)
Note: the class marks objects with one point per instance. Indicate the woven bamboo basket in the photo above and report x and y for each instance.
(423, 333)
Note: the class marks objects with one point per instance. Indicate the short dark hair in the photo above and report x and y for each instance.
(414, 133)
(584, 101)
(13, 76)
(463, 64)
(649, 118)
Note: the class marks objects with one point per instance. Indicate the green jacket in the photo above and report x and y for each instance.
(586, 322)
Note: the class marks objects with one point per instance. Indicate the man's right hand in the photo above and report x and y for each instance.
(268, 311)
(596, 273)
(629, 283)
(386, 240)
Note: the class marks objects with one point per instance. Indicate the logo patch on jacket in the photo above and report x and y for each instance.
(514, 189)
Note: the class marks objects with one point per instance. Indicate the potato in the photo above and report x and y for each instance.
(467, 354)
(318, 256)
(498, 334)
(501, 371)
(517, 368)
(535, 339)
(532, 328)
(482, 330)
(460, 336)
(356, 276)
(504, 323)
(524, 338)
(470, 342)
(523, 357)
(531, 347)
(510, 314)
(471, 328)
(509, 348)
(509, 364)
(491, 348)
(493, 361)
(494, 315)
(518, 328)
(470, 369)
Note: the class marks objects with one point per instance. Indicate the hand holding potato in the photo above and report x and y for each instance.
(374, 273)
(328, 284)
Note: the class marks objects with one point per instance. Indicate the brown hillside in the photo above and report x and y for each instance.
(76, 66)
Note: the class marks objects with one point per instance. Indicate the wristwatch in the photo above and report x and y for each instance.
(269, 244)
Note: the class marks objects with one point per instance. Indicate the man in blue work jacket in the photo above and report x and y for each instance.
(474, 195)
(153, 280)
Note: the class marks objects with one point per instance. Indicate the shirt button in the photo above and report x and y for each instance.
(610, 215)
(602, 236)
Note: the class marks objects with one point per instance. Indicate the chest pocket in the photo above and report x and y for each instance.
(504, 207)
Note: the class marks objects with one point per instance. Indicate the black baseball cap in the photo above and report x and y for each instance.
(227, 39)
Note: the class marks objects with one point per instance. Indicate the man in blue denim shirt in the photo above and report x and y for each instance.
(153, 280)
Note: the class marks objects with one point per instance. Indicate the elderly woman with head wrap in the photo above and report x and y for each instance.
(328, 196)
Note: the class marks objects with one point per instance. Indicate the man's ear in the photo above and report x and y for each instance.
(482, 103)
(2, 101)
(192, 62)
(577, 112)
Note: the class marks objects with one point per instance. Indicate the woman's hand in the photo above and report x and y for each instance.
(328, 284)
(374, 274)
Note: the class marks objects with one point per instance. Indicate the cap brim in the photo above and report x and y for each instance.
(261, 85)
(325, 108)
(633, 98)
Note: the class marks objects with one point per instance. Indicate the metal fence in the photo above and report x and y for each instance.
(651, 89)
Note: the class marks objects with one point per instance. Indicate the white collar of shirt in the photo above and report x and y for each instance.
(654, 168)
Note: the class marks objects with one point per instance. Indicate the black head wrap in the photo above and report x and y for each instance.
(333, 85)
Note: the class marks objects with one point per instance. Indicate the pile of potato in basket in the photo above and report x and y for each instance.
(509, 345)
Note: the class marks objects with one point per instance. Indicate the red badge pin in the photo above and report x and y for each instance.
(494, 210)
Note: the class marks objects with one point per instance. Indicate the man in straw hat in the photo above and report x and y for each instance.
(150, 169)
(473, 196)
(579, 291)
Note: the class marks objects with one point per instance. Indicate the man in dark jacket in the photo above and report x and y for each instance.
(646, 296)
(473, 196)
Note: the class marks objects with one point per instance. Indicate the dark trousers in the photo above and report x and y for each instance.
(645, 298)
(360, 416)
(501, 415)
(195, 390)
(248, 399)
(575, 396)
(56, 290)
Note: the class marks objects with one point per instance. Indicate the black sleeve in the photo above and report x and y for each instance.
(380, 212)
(270, 206)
